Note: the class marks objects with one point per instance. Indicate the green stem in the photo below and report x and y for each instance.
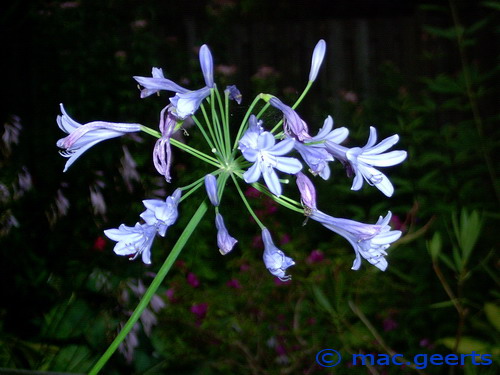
(160, 276)
(193, 151)
(471, 95)
(245, 201)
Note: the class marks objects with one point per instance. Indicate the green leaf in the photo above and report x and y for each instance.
(493, 314)
(491, 4)
(322, 299)
(434, 246)
(449, 33)
(466, 345)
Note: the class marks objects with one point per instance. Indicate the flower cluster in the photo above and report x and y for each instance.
(264, 157)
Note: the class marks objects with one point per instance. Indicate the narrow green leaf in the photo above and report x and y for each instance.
(466, 345)
(434, 246)
(322, 299)
(493, 314)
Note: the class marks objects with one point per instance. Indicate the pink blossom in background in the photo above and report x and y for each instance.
(192, 280)
(200, 310)
(234, 283)
(315, 256)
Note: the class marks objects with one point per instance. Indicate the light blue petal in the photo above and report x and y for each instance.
(288, 165)
(272, 181)
(252, 174)
(283, 147)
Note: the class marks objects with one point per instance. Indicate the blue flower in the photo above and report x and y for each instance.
(224, 239)
(233, 93)
(260, 148)
(133, 241)
(156, 83)
(211, 187)
(82, 137)
(162, 214)
(185, 102)
(307, 192)
(317, 59)
(360, 161)
(275, 260)
(368, 240)
(293, 125)
(314, 150)
(162, 151)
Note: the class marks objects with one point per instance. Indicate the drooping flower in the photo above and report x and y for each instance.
(82, 137)
(162, 152)
(314, 150)
(211, 187)
(162, 214)
(133, 241)
(185, 102)
(317, 59)
(307, 191)
(293, 125)
(275, 260)
(224, 239)
(233, 93)
(361, 161)
(368, 240)
(260, 148)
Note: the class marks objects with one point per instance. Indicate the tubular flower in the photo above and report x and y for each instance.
(233, 93)
(361, 161)
(315, 152)
(260, 148)
(185, 102)
(162, 214)
(82, 137)
(307, 191)
(162, 152)
(133, 241)
(211, 187)
(317, 59)
(368, 240)
(293, 125)
(224, 240)
(156, 83)
(275, 260)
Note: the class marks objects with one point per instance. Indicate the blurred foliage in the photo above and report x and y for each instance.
(65, 294)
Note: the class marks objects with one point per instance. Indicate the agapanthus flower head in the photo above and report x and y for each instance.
(260, 148)
(369, 241)
(275, 260)
(162, 214)
(82, 137)
(133, 241)
(317, 59)
(224, 239)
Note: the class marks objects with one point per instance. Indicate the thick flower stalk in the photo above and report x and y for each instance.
(266, 156)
